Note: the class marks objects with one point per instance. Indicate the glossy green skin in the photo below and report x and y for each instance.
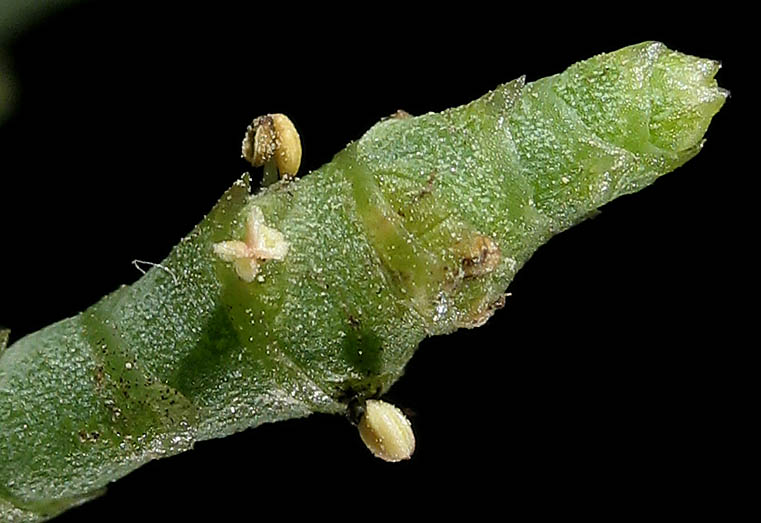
(375, 265)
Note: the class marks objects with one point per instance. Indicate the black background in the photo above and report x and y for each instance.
(603, 387)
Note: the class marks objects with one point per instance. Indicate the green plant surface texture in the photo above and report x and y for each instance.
(415, 229)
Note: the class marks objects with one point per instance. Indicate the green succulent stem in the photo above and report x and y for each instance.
(415, 229)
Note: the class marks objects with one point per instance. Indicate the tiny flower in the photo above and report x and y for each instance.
(260, 243)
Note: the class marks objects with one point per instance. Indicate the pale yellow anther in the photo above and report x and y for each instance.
(272, 140)
(261, 243)
(386, 431)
